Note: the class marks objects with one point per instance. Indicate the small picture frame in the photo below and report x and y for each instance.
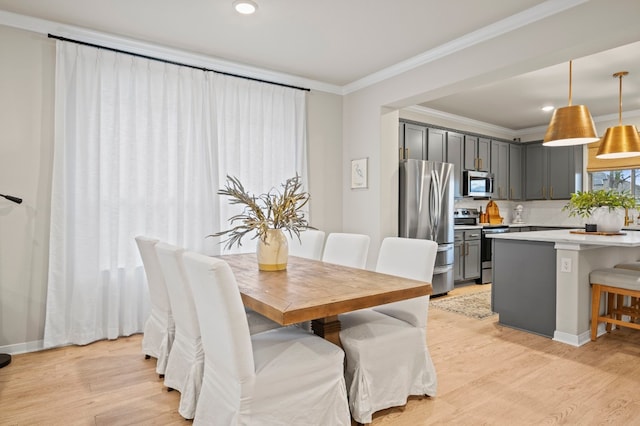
(359, 178)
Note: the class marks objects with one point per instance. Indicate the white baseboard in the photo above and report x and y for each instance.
(23, 348)
(579, 339)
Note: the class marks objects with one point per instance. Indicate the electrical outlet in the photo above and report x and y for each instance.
(565, 264)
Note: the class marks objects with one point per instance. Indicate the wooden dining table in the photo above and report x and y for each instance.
(311, 290)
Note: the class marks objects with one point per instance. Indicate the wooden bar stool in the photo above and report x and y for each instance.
(633, 266)
(616, 283)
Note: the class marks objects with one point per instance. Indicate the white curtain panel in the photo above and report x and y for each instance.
(136, 152)
(262, 150)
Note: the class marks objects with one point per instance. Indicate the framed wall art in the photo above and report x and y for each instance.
(359, 174)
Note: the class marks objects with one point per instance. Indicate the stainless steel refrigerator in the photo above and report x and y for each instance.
(426, 211)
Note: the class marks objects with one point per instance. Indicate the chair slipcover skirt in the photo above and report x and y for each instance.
(159, 333)
(285, 390)
(184, 372)
(386, 361)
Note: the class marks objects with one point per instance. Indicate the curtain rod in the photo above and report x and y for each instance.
(152, 58)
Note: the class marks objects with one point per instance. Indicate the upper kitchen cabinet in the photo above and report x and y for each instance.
(419, 142)
(413, 141)
(436, 145)
(500, 169)
(552, 173)
(516, 167)
(455, 155)
(476, 153)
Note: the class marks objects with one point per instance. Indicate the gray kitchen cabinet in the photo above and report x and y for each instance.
(552, 173)
(500, 169)
(484, 154)
(515, 172)
(535, 172)
(470, 152)
(477, 153)
(467, 259)
(413, 141)
(436, 145)
(523, 292)
(458, 256)
(420, 142)
(565, 171)
(455, 155)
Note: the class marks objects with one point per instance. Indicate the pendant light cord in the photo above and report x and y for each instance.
(620, 102)
(619, 75)
(570, 78)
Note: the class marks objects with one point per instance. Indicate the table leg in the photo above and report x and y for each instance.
(328, 328)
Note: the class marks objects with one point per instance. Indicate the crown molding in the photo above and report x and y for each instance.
(504, 130)
(45, 27)
(492, 128)
(614, 116)
(598, 119)
(536, 13)
(533, 14)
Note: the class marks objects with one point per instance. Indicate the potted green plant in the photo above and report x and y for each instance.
(606, 206)
(268, 215)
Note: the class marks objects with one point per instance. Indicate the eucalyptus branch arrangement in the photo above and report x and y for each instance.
(583, 203)
(271, 210)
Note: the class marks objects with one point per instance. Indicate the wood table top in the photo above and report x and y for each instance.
(310, 289)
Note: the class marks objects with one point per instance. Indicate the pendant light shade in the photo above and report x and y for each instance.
(620, 141)
(570, 125)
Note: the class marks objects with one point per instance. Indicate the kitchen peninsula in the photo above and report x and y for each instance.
(541, 279)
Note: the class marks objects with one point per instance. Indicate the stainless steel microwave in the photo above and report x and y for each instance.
(477, 184)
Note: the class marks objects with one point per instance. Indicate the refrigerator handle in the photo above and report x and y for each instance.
(434, 204)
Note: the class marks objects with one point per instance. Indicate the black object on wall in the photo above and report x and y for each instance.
(12, 198)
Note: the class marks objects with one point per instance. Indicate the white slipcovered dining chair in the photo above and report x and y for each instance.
(285, 376)
(186, 359)
(386, 347)
(159, 328)
(308, 246)
(346, 249)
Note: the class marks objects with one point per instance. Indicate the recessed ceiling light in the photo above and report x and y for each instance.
(246, 7)
(548, 108)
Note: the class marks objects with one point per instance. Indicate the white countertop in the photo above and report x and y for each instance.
(510, 225)
(630, 239)
(463, 227)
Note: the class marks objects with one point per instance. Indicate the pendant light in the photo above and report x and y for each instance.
(570, 125)
(620, 141)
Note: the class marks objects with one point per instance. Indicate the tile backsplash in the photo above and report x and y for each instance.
(539, 213)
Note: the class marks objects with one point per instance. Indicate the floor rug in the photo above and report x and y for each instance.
(474, 305)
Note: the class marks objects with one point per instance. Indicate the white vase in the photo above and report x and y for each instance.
(273, 254)
(608, 220)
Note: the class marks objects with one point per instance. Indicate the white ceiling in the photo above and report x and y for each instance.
(340, 42)
(516, 103)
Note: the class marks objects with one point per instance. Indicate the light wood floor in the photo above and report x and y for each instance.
(488, 374)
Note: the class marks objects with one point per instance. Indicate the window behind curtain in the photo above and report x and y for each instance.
(140, 148)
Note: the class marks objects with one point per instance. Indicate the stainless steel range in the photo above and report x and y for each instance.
(470, 217)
